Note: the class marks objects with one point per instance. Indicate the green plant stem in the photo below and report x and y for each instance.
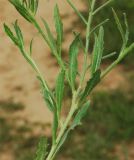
(101, 7)
(88, 31)
(34, 66)
(119, 59)
(109, 68)
(64, 127)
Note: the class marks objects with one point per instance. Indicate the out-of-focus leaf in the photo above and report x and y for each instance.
(109, 55)
(41, 150)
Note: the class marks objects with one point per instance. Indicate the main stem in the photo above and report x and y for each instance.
(64, 127)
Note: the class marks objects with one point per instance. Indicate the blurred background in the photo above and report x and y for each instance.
(107, 132)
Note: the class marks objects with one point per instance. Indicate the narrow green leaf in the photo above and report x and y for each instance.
(60, 90)
(73, 66)
(81, 113)
(41, 150)
(52, 43)
(47, 96)
(59, 28)
(82, 46)
(98, 51)
(77, 12)
(10, 34)
(91, 84)
(94, 55)
(127, 29)
(19, 33)
(124, 34)
(120, 28)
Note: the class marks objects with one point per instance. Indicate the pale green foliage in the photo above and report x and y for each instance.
(68, 71)
(59, 91)
(73, 65)
(98, 51)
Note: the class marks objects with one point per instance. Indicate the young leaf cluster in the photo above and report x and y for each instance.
(69, 71)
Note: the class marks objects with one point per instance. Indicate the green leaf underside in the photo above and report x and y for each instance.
(91, 84)
(73, 66)
(59, 28)
(47, 96)
(98, 51)
(81, 114)
(59, 90)
(41, 150)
